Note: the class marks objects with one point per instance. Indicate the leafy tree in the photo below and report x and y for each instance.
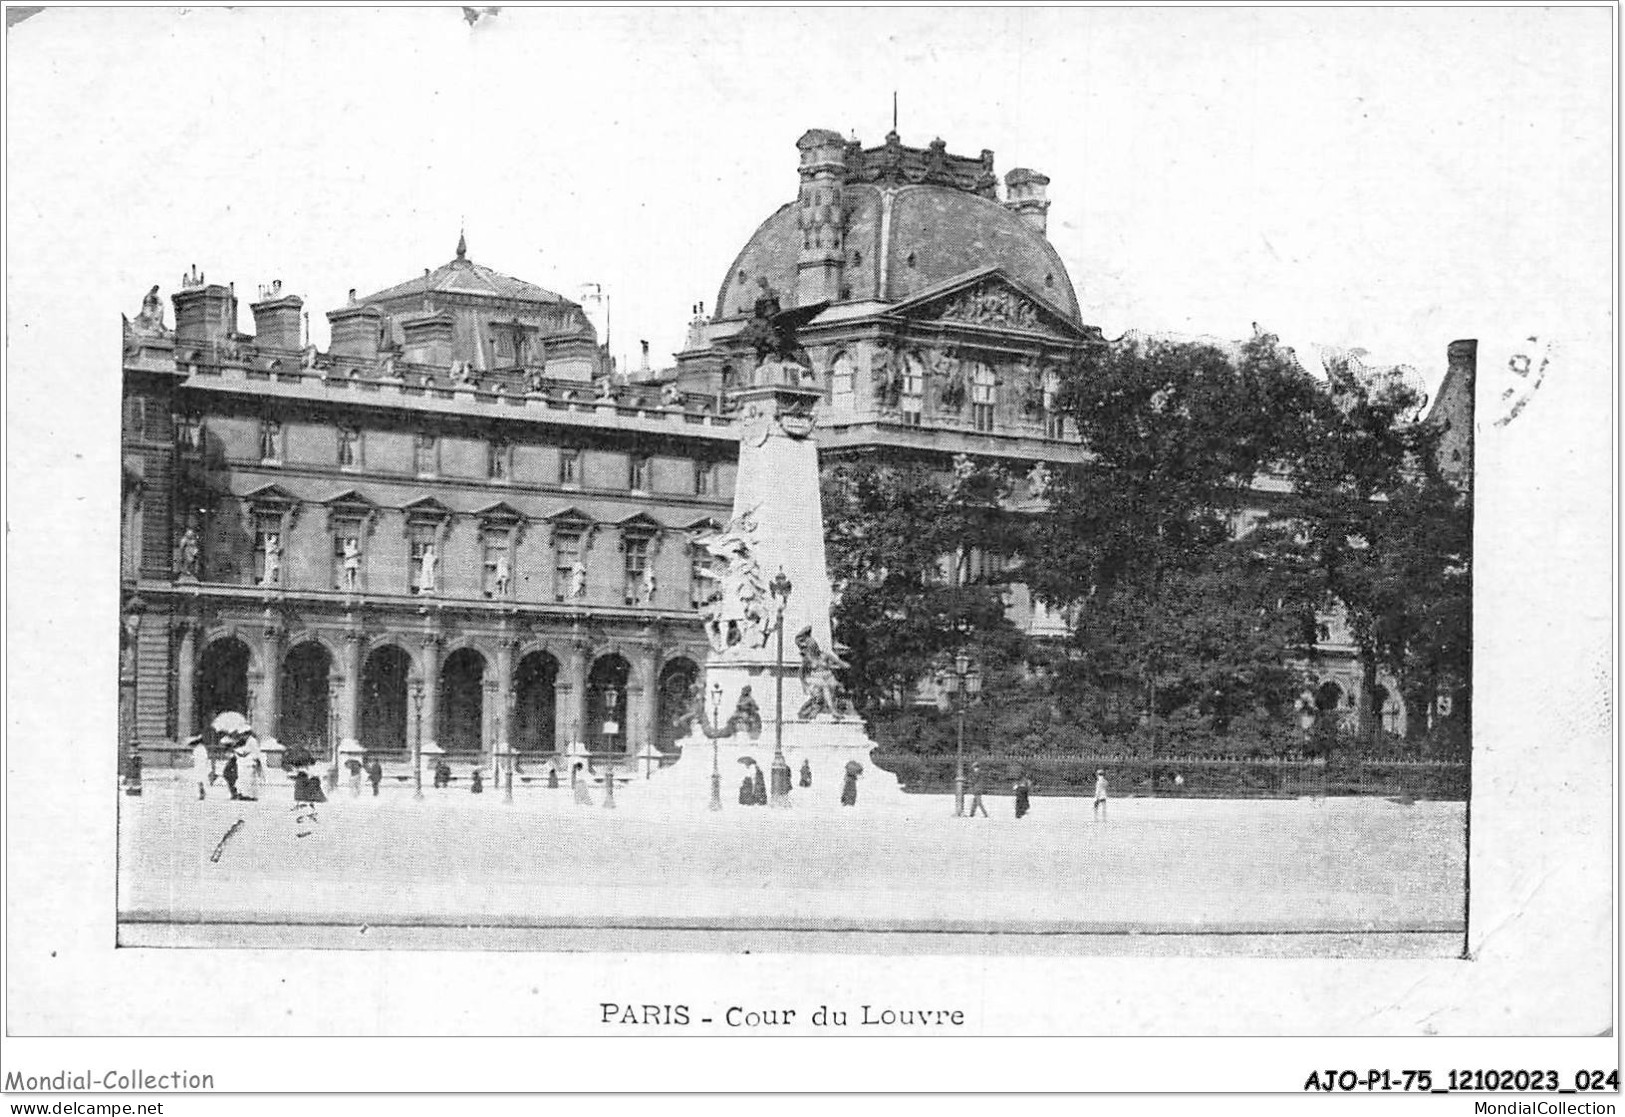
(1143, 535)
(900, 539)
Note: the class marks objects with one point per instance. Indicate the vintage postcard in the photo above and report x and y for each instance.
(777, 501)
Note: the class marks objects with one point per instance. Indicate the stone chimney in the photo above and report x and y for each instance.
(276, 318)
(1026, 194)
(644, 367)
(428, 339)
(354, 331)
(819, 216)
(204, 312)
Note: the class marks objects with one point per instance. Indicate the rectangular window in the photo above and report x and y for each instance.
(637, 562)
(567, 566)
(638, 475)
(1054, 426)
(270, 441)
(569, 467)
(705, 478)
(701, 587)
(188, 433)
(349, 448)
(422, 562)
(983, 389)
(427, 459)
(267, 548)
(1054, 421)
(347, 556)
(497, 578)
(497, 461)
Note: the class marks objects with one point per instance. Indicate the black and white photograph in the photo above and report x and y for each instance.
(796, 522)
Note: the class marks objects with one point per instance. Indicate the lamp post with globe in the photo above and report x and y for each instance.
(716, 726)
(780, 588)
(968, 682)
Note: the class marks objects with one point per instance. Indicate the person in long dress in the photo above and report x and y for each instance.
(252, 770)
(806, 773)
(578, 781)
(1024, 790)
(200, 767)
(849, 790)
(747, 791)
(760, 782)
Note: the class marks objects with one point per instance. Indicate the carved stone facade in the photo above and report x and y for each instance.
(312, 539)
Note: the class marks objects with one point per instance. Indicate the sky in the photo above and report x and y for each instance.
(1384, 178)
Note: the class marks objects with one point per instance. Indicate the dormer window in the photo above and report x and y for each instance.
(270, 442)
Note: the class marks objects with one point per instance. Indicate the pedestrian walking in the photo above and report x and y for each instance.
(229, 772)
(1100, 793)
(552, 778)
(202, 767)
(578, 781)
(307, 788)
(442, 774)
(978, 788)
(478, 786)
(747, 791)
(806, 773)
(254, 760)
(375, 774)
(354, 767)
(849, 789)
(1024, 791)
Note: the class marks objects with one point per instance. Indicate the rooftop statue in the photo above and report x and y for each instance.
(150, 322)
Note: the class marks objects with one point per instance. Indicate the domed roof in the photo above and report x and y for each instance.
(900, 240)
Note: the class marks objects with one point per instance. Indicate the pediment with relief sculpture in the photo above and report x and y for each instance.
(992, 300)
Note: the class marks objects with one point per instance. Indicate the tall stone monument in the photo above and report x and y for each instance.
(772, 655)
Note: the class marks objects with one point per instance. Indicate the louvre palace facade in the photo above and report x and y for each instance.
(462, 523)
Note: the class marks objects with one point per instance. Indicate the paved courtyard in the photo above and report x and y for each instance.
(1333, 867)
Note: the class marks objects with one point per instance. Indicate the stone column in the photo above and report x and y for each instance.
(185, 673)
(430, 665)
(570, 693)
(646, 701)
(502, 703)
(350, 716)
(269, 717)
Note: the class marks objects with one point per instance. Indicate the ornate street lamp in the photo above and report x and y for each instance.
(716, 726)
(780, 588)
(417, 740)
(966, 674)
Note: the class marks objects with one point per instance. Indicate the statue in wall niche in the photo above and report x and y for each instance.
(502, 576)
(186, 554)
(273, 561)
(1038, 482)
(647, 586)
(427, 569)
(949, 371)
(352, 563)
(824, 692)
(578, 579)
(129, 630)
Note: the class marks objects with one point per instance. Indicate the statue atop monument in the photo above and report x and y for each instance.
(771, 334)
